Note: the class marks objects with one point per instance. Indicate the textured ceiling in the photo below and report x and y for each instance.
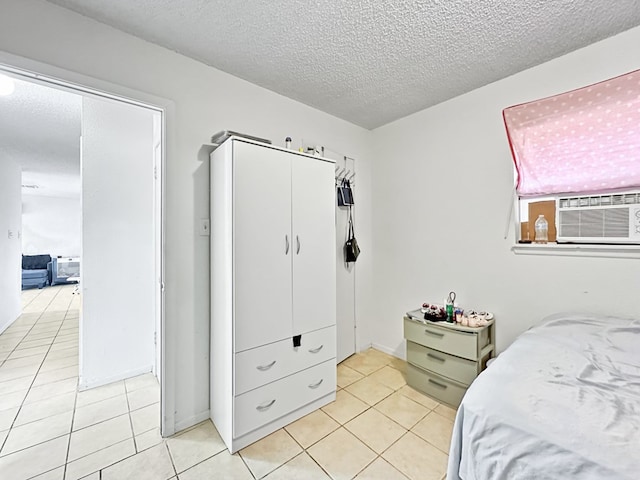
(368, 61)
(40, 131)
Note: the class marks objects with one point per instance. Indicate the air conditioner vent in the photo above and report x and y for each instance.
(599, 218)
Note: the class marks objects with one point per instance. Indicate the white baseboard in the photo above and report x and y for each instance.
(191, 421)
(394, 352)
(363, 346)
(87, 384)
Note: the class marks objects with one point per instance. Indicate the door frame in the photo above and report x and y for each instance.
(51, 76)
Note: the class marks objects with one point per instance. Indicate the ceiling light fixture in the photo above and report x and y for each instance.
(7, 85)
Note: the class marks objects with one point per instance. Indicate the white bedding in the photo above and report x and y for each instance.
(562, 402)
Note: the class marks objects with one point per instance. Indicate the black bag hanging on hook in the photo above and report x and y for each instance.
(351, 248)
(345, 194)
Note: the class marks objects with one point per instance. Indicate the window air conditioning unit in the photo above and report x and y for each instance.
(613, 218)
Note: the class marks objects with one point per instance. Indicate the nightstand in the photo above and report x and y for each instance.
(444, 358)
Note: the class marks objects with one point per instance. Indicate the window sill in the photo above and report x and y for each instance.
(578, 250)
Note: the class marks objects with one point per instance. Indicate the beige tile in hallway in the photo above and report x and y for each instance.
(48, 430)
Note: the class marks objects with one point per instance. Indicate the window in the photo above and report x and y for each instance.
(577, 160)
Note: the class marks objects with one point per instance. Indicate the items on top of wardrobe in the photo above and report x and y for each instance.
(223, 135)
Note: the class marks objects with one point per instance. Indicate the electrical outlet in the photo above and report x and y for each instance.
(9, 234)
(204, 227)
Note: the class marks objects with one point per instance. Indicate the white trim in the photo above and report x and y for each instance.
(71, 86)
(120, 376)
(398, 352)
(578, 250)
(191, 421)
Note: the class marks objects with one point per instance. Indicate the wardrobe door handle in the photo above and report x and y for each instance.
(316, 385)
(265, 406)
(298, 244)
(316, 350)
(435, 334)
(437, 384)
(264, 368)
(286, 244)
(439, 359)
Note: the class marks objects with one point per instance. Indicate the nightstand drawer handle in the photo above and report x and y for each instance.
(435, 357)
(264, 368)
(437, 384)
(435, 334)
(266, 406)
(316, 385)
(316, 350)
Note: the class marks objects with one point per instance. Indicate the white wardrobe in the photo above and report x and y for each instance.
(273, 280)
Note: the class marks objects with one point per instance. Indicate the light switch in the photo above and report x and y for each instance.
(204, 228)
(9, 234)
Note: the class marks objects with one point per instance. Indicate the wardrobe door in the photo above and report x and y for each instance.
(314, 251)
(262, 245)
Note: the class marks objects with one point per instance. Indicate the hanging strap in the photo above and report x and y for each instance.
(351, 233)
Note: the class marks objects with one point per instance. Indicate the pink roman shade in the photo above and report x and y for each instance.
(586, 140)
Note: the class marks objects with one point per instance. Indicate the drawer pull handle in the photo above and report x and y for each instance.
(265, 406)
(435, 357)
(264, 368)
(437, 384)
(316, 350)
(316, 385)
(435, 334)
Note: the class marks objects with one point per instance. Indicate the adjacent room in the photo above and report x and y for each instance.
(63, 154)
(287, 240)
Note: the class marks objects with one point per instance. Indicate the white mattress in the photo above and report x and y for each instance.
(563, 401)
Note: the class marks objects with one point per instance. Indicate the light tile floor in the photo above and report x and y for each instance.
(378, 427)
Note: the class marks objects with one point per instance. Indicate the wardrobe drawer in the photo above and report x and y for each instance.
(455, 368)
(441, 388)
(262, 365)
(269, 402)
(444, 339)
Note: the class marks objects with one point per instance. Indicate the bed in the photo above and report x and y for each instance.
(563, 401)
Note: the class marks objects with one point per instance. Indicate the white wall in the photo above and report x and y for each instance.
(117, 322)
(205, 101)
(443, 181)
(10, 247)
(51, 225)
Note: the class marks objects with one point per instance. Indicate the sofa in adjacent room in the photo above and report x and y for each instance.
(36, 271)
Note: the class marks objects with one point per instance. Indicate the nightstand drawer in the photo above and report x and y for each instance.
(440, 388)
(456, 342)
(455, 368)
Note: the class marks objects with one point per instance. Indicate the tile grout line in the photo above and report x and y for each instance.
(245, 463)
(133, 432)
(173, 465)
(75, 399)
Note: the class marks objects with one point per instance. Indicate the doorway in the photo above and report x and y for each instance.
(121, 258)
